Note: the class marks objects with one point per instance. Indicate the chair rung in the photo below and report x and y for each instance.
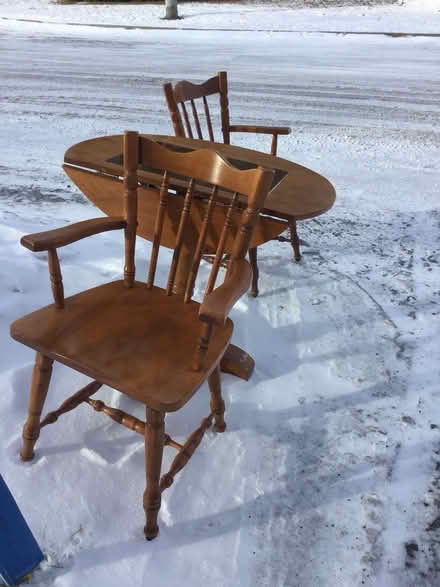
(185, 453)
(129, 421)
(118, 416)
(168, 441)
(71, 402)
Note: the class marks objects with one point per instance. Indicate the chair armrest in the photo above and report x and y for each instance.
(52, 239)
(217, 305)
(268, 130)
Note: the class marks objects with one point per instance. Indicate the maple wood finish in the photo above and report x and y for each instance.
(143, 339)
(183, 95)
(95, 166)
(299, 194)
(83, 395)
(107, 193)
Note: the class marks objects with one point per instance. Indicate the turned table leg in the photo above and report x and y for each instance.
(217, 403)
(294, 240)
(255, 272)
(39, 386)
(154, 442)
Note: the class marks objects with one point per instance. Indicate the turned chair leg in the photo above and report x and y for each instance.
(255, 272)
(154, 442)
(294, 240)
(217, 403)
(39, 386)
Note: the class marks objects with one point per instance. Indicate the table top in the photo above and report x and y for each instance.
(296, 191)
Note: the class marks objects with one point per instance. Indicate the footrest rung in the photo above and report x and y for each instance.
(185, 453)
(118, 416)
(168, 441)
(71, 402)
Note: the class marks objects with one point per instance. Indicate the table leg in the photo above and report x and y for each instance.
(294, 240)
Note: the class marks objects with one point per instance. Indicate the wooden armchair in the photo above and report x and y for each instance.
(148, 342)
(181, 101)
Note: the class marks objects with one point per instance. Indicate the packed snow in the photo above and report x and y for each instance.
(328, 472)
(411, 16)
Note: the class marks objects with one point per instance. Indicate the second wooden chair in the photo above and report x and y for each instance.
(188, 122)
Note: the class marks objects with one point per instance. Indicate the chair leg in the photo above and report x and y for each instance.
(294, 240)
(154, 442)
(217, 403)
(255, 272)
(39, 386)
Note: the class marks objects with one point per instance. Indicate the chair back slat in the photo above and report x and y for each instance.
(180, 233)
(158, 227)
(208, 119)
(187, 123)
(221, 246)
(200, 245)
(196, 120)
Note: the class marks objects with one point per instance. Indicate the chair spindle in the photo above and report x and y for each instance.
(131, 144)
(202, 345)
(186, 118)
(158, 226)
(224, 105)
(56, 278)
(273, 147)
(221, 245)
(200, 244)
(180, 233)
(208, 119)
(196, 120)
(242, 240)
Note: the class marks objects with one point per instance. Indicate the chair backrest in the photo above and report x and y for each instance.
(176, 211)
(187, 118)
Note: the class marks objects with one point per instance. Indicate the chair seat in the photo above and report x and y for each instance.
(139, 341)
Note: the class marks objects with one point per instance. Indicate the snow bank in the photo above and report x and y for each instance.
(413, 17)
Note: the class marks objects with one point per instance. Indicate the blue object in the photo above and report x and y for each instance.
(19, 551)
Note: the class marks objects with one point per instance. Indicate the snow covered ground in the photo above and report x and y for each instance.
(328, 473)
(411, 16)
